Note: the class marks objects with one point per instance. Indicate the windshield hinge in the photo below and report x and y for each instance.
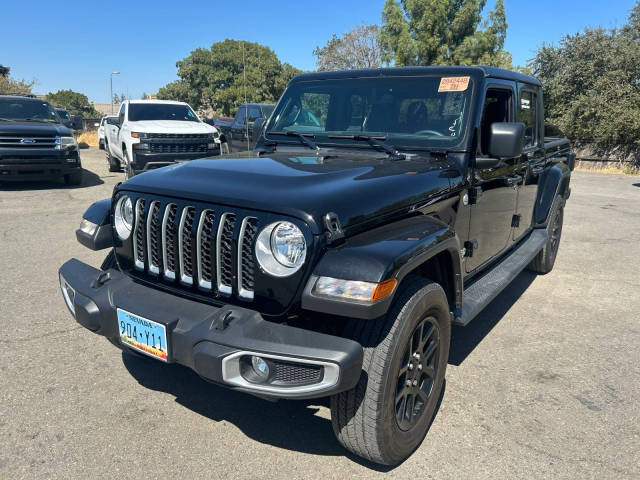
(332, 228)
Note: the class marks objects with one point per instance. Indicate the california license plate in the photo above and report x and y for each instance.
(142, 334)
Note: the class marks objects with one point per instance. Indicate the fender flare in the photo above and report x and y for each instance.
(391, 251)
(99, 213)
(553, 181)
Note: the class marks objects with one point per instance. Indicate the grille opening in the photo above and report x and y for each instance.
(169, 241)
(138, 253)
(185, 246)
(205, 249)
(225, 253)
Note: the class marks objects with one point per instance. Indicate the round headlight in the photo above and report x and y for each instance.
(281, 249)
(123, 217)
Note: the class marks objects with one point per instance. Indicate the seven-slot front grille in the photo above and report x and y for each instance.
(196, 246)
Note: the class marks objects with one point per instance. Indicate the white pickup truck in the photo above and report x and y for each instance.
(149, 134)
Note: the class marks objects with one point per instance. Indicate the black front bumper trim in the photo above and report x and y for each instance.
(194, 334)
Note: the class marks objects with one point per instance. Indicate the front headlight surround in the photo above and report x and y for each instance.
(281, 249)
(65, 142)
(123, 217)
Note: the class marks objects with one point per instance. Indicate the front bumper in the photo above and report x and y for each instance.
(20, 165)
(213, 341)
(144, 161)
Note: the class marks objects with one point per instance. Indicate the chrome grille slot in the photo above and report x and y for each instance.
(246, 264)
(138, 240)
(185, 245)
(224, 253)
(153, 234)
(204, 249)
(169, 241)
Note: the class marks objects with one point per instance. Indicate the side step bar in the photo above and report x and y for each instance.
(486, 288)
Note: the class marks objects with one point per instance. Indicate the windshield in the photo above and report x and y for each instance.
(418, 112)
(161, 111)
(18, 109)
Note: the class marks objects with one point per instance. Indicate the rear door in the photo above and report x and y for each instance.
(532, 162)
(493, 191)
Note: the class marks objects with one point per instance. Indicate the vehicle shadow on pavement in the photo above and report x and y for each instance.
(292, 425)
(89, 179)
(465, 339)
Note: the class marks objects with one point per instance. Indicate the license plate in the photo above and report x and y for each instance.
(143, 334)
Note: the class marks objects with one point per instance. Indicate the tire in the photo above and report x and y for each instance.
(114, 165)
(545, 259)
(101, 144)
(128, 170)
(364, 418)
(74, 178)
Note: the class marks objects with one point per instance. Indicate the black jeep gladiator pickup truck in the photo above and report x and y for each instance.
(34, 143)
(379, 207)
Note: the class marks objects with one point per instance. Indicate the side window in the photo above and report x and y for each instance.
(497, 108)
(254, 114)
(121, 114)
(241, 118)
(527, 114)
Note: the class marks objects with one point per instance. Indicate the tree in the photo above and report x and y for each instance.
(75, 103)
(358, 48)
(591, 83)
(9, 85)
(444, 32)
(215, 77)
(119, 98)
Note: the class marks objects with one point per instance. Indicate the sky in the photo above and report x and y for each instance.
(77, 44)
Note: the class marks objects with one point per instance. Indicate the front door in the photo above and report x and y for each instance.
(493, 191)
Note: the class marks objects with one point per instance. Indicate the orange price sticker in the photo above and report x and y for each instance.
(453, 84)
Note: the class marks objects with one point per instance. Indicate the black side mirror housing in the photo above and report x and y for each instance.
(258, 125)
(506, 140)
(77, 122)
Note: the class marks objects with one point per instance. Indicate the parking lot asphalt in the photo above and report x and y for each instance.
(545, 383)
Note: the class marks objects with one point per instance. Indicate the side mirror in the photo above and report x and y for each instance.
(506, 140)
(76, 121)
(68, 123)
(258, 125)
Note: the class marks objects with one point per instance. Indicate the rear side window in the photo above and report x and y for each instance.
(254, 114)
(242, 115)
(527, 114)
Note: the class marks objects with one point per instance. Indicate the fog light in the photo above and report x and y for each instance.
(68, 293)
(260, 367)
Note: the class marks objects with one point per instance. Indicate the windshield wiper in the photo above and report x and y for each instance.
(7, 119)
(302, 136)
(42, 120)
(377, 142)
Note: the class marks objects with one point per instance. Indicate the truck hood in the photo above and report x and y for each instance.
(170, 126)
(359, 189)
(24, 129)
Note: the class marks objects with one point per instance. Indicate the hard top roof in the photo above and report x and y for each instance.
(483, 71)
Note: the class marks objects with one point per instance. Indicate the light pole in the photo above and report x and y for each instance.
(111, 83)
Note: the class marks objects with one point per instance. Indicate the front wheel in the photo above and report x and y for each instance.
(385, 417)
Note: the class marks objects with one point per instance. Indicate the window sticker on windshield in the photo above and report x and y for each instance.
(453, 84)
(525, 103)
